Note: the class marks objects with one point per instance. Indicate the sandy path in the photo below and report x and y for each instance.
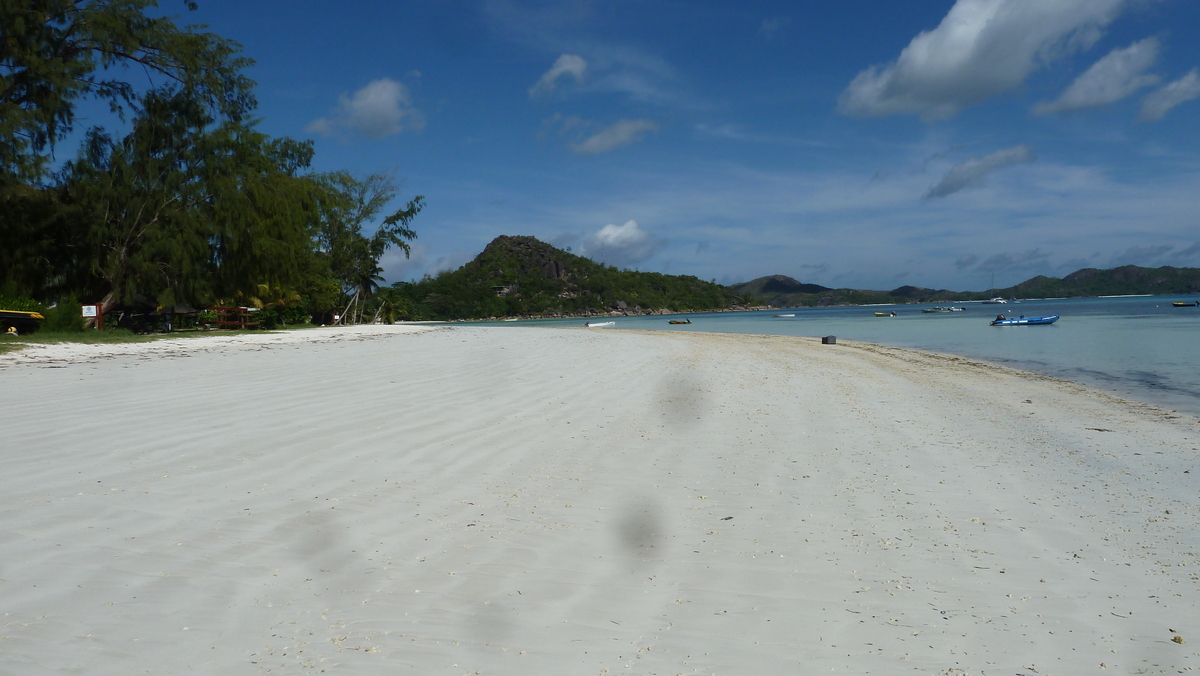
(535, 501)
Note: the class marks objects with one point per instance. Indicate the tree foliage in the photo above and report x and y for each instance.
(347, 206)
(53, 53)
(189, 203)
(181, 210)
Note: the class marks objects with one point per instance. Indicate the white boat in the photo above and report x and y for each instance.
(943, 308)
(792, 315)
(599, 325)
(995, 301)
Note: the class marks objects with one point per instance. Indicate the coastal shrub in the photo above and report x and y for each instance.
(67, 317)
(275, 317)
(9, 300)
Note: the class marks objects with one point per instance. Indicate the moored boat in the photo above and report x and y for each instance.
(1023, 320)
(676, 321)
(1185, 304)
(943, 308)
(885, 314)
(598, 325)
(787, 315)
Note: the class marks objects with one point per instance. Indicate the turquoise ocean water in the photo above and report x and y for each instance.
(1142, 347)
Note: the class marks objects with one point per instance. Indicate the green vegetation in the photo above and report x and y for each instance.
(1126, 280)
(11, 300)
(64, 318)
(524, 277)
(780, 291)
(190, 204)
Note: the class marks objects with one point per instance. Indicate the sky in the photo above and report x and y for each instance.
(866, 144)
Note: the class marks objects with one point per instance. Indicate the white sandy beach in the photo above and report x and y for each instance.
(514, 501)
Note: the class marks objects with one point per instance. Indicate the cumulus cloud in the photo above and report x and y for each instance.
(981, 48)
(621, 245)
(1156, 106)
(381, 108)
(971, 173)
(398, 267)
(567, 64)
(622, 132)
(1112, 78)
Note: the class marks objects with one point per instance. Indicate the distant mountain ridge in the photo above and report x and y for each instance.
(1125, 280)
(783, 291)
(520, 276)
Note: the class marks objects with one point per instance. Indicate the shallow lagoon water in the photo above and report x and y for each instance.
(1140, 347)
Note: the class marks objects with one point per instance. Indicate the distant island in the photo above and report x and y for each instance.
(783, 291)
(521, 276)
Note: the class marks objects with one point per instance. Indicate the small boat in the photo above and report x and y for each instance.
(885, 314)
(994, 301)
(676, 321)
(940, 308)
(598, 325)
(1185, 304)
(510, 320)
(789, 315)
(1023, 320)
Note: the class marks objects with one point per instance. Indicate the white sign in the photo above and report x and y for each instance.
(90, 310)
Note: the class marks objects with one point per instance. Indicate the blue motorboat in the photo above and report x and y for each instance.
(1023, 320)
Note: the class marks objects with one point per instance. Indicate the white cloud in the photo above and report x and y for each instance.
(972, 172)
(622, 132)
(1158, 104)
(567, 64)
(381, 108)
(1112, 78)
(621, 245)
(981, 48)
(398, 267)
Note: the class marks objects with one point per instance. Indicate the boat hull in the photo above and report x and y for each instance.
(1025, 321)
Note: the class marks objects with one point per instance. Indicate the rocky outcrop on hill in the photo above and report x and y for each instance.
(520, 276)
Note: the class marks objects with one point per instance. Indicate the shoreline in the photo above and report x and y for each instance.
(524, 501)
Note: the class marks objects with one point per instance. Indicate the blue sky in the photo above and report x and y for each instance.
(867, 144)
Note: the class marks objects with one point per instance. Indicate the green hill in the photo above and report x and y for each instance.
(1125, 280)
(525, 277)
(781, 291)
